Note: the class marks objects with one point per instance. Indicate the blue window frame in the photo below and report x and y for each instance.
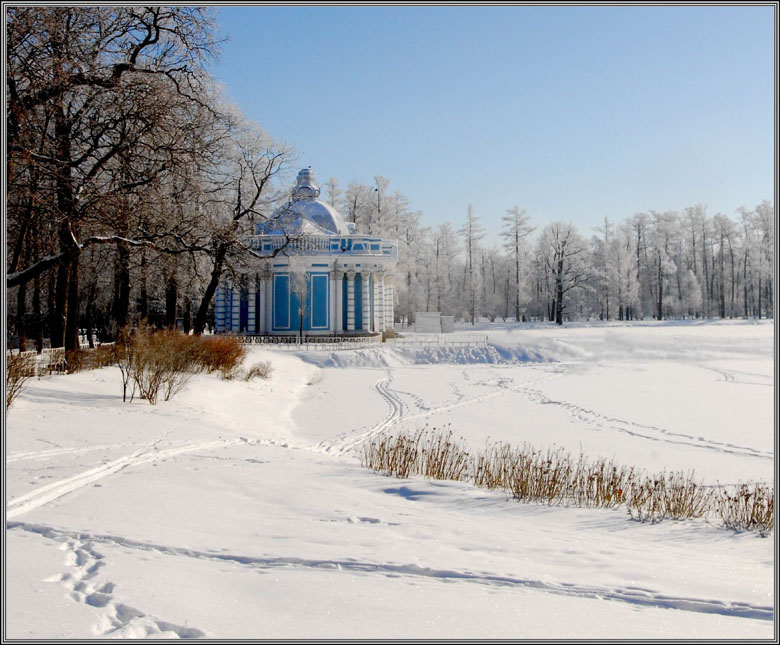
(281, 312)
(318, 289)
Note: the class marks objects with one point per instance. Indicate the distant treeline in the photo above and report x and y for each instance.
(132, 186)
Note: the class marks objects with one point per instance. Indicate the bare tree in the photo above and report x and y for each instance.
(564, 260)
(516, 229)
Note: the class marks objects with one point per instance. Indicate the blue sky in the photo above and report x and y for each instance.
(573, 113)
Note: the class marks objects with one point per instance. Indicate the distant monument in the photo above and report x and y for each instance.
(324, 280)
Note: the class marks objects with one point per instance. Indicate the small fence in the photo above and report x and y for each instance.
(439, 340)
(316, 343)
(330, 343)
(49, 361)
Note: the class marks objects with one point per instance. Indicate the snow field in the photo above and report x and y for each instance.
(240, 509)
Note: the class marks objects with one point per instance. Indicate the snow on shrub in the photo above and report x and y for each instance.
(555, 477)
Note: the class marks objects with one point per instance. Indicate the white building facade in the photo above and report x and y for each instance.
(313, 275)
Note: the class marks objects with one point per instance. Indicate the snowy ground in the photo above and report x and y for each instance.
(241, 509)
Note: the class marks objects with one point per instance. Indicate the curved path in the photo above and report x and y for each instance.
(98, 593)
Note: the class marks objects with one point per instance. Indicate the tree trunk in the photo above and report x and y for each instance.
(143, 300)
(72, 320)
(171, 295)
(89, 318)
(21, 314)
(216, 273)
(660, 289)
(559, 293)
(120, 308)
(37, 322)
(745, 283)
(57, 316)
(187, 319)
(51, 307)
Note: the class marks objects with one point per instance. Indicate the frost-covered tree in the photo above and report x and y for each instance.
(472, 232)
(564, 256)
(515, 229)
(444, 251)
(334, 195)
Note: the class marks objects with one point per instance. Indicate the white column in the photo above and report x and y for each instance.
(269, 295)
(366, 282)
(350, 301)
(339, 279)
(219, 310)
(389, 303)
(379, 301)
(332, 301)
(251, 325)
(261, 303)
(235, 317)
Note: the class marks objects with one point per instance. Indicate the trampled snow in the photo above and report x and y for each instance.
(241, 510)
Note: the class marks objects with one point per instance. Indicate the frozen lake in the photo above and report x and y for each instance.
(240, 510)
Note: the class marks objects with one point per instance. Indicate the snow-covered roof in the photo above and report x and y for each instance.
(305, 213)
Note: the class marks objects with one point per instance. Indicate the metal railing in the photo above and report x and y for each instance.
(439, 340)
(327, 244)
(317, 343)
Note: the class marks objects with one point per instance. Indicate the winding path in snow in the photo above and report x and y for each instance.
(397, 410)
(48, 493)
(596, 421)
(82, 545)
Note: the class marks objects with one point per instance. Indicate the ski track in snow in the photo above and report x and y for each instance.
(346, 443)
(597, 421)
(731, 376)
(59, 452)
(48, 493)
(593, 420)
(124, 621)
(85, 584)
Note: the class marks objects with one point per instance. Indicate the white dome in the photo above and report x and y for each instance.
(305, 214)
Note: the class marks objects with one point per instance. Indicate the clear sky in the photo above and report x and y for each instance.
(573, 113)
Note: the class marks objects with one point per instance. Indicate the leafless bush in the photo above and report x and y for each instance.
(750, 507)
(163, 361)
(18, 369)
(493, 467)
(263, 369)
(554, 477)
(159, 363)
(674, 495)
(601, 484)
(222, 354)
(429, 453)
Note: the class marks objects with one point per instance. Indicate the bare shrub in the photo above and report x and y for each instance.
(541, 477)
(554, 477)
(19, 368)
(101, 356)
(396, 455)
(222, 354)
(75, 361)
(674, 495)
(263, 369)
(163, 361)
(750, 507)
(442, 458)
(602, 484)
(123, 354)
(492, 468)
(428, 453)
